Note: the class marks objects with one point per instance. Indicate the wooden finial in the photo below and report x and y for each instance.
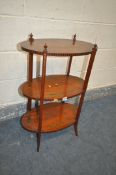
(45, 47)
(74, 39)
(31, 39)
(95, 47)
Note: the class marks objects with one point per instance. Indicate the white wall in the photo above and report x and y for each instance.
(93, 21)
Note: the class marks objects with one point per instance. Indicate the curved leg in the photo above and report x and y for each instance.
(38, 140)
(75, 129)
(38, 134)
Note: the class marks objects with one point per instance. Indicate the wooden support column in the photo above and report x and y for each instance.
(30, 76)
(92, 57)
(69, 65)
(40, 109)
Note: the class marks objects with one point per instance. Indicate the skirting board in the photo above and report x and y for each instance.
(16, 110)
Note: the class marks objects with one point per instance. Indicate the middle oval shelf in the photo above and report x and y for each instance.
(56, 87)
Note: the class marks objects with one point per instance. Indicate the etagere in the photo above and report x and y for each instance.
(57, 114)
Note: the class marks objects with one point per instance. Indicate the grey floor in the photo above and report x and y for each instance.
(93, 152)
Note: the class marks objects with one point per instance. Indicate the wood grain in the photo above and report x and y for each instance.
(56, 87)
(56, 116)
(58, 47)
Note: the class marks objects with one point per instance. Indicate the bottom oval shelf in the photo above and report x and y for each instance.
(56, 116)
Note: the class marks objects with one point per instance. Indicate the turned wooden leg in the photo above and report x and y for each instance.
(29, 104)
(38, 140)
(75, 129)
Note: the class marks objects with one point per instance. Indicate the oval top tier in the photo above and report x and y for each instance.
(57, 47)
